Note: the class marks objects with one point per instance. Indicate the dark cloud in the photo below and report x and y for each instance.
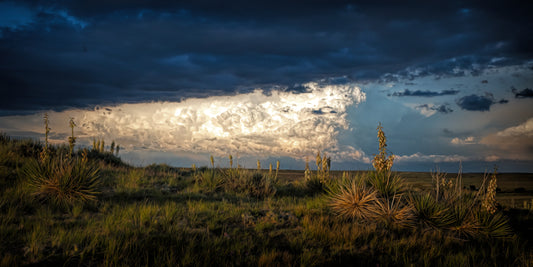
(408, 92)
(445, 109)
(478, 102)
(79, 53)
(526, 93)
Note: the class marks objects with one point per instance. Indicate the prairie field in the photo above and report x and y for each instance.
(87, 207)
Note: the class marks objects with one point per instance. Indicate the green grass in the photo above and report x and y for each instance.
(165, 216)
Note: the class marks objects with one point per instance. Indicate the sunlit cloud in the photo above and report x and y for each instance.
(419, 157)
(276, 123)
(515, 142)
(523, 130)
(464, 141)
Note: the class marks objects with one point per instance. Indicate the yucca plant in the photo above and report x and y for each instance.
(260, 186)
(210, 180)
(463, 223)
(493, 225)
(352, 199)
(63, 181)
(428, 213)
(393, 212)
(387, 184)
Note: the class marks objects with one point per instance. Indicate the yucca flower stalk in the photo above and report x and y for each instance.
(318, 161)
(102, 146)
(72, 138)
(489, 200)
(112, 148)
(230, 161)
(275, 180)
(258, 165)
(45, 153)
(382, 162)
(307, 170)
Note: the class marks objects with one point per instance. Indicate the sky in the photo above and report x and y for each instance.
(176, 81)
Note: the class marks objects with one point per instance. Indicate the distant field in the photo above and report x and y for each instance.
(507, 182)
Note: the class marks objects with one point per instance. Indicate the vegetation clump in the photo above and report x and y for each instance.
(382, 197)
(62, 180)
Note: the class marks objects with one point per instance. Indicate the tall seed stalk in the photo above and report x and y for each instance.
(72, 138)
(44, 156)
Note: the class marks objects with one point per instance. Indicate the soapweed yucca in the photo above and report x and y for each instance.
(387, 184)
(352, 199)
(393, 212)
(63, 181)
(210, 180)
(260, 186)
(493, 225)
(463, 222)
(428, 213)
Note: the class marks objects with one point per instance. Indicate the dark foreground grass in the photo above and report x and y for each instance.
(162, 216)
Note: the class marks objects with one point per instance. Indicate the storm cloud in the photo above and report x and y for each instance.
(408, 92)
(478, 102)
(80, 53)
(430, 109)
(526, 93)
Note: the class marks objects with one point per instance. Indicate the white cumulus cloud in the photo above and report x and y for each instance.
(274, 124)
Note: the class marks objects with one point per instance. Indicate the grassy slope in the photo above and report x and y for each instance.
(160, 216)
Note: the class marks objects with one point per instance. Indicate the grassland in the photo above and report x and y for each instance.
(164, 216)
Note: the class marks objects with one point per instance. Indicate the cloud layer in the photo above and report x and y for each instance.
(421, 93)
(63, 54)
(275, 124)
